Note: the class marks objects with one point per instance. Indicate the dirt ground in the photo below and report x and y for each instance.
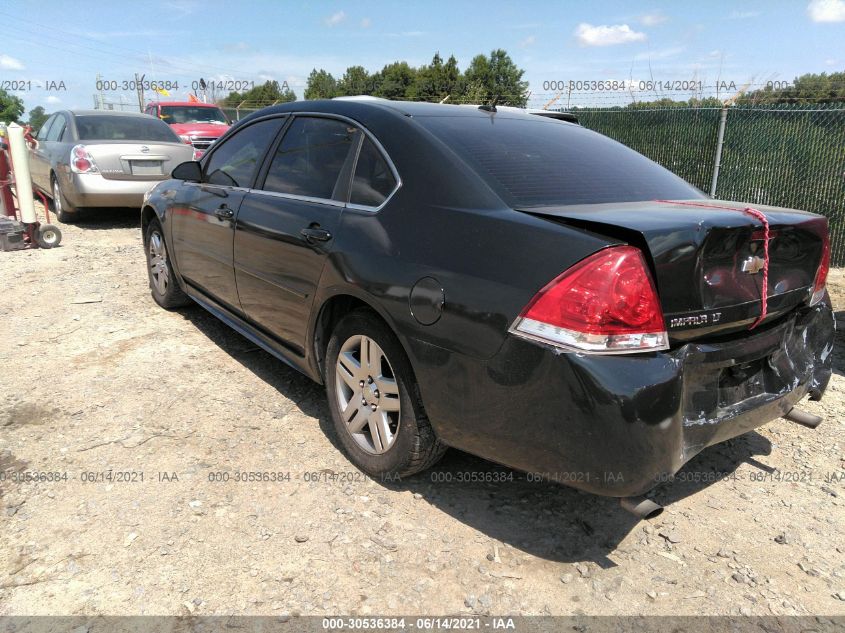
(134, 423)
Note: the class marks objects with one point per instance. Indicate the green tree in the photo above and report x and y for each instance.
(321, 85)
(11, 107)
(266, 94)
(37, 116)
(437, 80)
(808, 88)
(496, 77)
(394, 81)
(355, 81)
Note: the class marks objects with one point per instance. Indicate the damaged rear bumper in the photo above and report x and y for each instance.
(619, 425)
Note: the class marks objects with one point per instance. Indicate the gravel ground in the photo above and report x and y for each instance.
(141, 409)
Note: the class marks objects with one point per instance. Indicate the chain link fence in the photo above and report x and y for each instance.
(783, 155)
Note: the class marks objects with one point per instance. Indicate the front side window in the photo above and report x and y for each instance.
(45, 129)
(57, 129)
(233, 162)
(311, 158)
(373, 180)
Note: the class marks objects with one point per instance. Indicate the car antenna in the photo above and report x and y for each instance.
(492, 106)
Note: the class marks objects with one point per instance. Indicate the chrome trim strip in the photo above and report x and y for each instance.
(293, 196)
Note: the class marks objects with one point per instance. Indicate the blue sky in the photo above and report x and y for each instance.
(183, 40)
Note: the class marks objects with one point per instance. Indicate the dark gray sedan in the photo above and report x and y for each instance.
(95, 158)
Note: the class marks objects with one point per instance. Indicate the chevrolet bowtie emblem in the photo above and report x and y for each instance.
(753, 265)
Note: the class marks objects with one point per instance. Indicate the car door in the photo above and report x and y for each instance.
(53, 147)
(287, 222)
(203, 214)
(39, 162)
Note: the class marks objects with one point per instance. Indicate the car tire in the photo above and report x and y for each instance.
(65, 212)
(384, 391)
(164, 286)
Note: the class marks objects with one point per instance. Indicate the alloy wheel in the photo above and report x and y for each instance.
(367, 394)
(158, 263)
(57, 198)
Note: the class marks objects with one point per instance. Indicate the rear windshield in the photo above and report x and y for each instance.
(541, 162)
(192, 114)
(124, 128)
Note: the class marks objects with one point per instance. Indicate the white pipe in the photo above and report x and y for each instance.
(23, 181)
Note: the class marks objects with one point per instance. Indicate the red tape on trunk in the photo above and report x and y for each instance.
(759, 215)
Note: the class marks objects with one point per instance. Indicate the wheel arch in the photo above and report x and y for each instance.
(333, 308)
(147, 215)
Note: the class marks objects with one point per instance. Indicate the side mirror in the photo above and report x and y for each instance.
(189, 170)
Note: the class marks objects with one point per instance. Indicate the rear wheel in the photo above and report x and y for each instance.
(163, 285)
(374, 399)
(64, 210)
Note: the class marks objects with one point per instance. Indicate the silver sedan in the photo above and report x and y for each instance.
(96, 158)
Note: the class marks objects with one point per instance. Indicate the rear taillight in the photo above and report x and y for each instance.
(605, 303)
(824, 266)
(81, 161)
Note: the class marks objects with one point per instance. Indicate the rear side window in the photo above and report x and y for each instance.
(373, 180)
(311, 157)
(233, 162)
(540, 162)
(110, 127)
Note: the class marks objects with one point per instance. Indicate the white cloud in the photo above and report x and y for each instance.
(52, 99)
(10, 63)
(652, 19)
(827, 10)
(366, 23)
(743, 15)
(335, 18)
(604, 35)
(528, 41)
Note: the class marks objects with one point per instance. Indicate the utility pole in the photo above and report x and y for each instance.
(100, 98)
(139, 85)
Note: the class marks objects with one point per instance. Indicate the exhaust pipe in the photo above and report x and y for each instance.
(641, 507)
(803, 418)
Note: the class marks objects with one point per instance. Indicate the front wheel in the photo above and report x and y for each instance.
(374, 399)
(163, 284)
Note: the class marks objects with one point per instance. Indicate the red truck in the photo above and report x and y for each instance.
(197, 124)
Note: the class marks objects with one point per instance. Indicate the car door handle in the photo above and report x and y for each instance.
(316, 234)
(223, 212)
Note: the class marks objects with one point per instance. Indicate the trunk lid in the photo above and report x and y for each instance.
(707, 262)
(137, 161)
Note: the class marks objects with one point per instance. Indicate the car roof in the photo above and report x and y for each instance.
(377, 107)
(106, 113)
(196, 104)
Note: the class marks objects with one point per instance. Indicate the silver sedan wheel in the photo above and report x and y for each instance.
(367, 394)
(158, 263)
(57, 198)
